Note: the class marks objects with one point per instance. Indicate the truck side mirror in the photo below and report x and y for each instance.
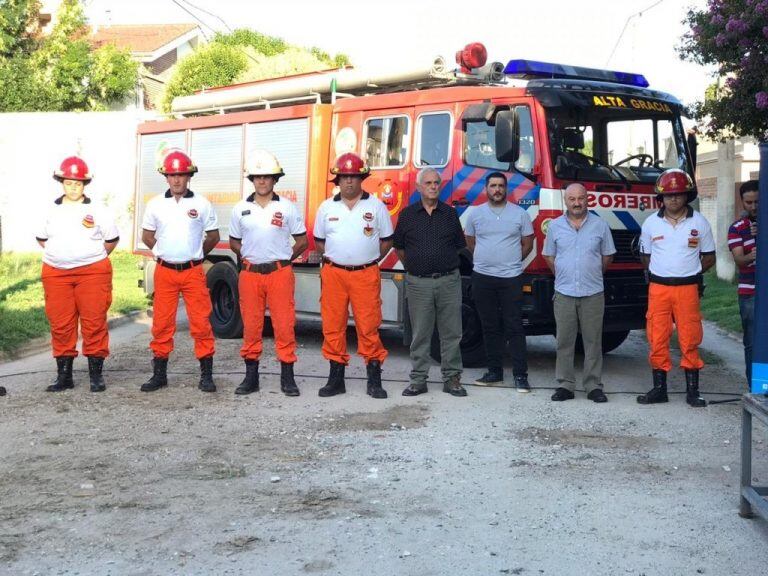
(507, 134)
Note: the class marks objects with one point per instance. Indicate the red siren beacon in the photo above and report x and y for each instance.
(473, 55)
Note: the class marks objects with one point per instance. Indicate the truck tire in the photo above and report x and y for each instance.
(612, 340)
(472, 347)
(225, 300)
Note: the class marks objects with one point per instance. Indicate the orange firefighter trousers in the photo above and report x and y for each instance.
(257, 291)
(678, 304)
(362, 289)
(81, 294)
(192, 285)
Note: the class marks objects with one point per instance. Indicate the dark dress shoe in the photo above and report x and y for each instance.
(562, 394)
(598, 396)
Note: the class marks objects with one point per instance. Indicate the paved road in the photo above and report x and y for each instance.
(179, 482)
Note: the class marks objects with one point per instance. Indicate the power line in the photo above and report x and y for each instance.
(626, 23)
(204, 24)
(219, 18)
(202, 29)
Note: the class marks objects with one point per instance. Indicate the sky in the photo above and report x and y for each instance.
(400, 33)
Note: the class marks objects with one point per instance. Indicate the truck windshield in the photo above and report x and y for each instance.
(625, 145)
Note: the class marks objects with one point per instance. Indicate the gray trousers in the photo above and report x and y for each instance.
(434, 302)
(574, 315)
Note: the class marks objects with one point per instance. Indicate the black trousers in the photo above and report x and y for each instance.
(499, 303)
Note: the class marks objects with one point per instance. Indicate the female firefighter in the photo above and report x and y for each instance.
(77, 237)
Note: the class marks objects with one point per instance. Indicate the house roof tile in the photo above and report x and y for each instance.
(140, 38)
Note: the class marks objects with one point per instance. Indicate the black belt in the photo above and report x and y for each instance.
(435, 274)
(179, 266)
(349, 268)
(267, 267)
(676, 281)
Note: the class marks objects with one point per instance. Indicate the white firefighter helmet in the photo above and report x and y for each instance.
(263, 163)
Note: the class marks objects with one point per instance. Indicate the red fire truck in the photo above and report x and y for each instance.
(544, 125)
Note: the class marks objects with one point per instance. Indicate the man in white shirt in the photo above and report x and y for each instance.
(353, 231)
(261, 231)
(677, 247)
(180, 227)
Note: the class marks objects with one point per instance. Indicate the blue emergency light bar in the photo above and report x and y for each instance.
(534, 69)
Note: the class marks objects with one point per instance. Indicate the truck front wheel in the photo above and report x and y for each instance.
(225, 300)
(612, 340)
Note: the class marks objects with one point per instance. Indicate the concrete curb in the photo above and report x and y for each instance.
(43, 343)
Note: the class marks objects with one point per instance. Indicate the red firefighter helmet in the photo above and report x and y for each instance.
(349, 164)
(675, 181)
(73, 168)
(176, 162)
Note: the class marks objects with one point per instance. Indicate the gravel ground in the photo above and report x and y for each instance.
(180, 482)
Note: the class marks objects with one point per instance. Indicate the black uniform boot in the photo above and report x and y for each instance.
(287, 381)
(251, 381)
(692, 389)
(657, 394)
(374, 380)
(63, 375)
(206, 375)
(335, 384)
(159, 375)
(95, 366)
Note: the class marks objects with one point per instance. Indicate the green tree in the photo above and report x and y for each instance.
(18, 26)
(242, 56)
(61, 71)
(267, 45)
(731, 35)
(215, 64)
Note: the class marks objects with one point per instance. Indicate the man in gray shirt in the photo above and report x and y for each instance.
(578, 249)
(500, 235)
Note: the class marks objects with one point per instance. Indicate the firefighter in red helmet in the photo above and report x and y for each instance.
(353, 231)
(181, 228)
(677, 247)
(77, 237)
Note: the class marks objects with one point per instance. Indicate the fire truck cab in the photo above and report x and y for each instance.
(543, 125)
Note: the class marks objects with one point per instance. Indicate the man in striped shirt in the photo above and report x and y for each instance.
(741, 242)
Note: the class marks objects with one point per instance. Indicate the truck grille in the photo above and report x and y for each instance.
(627, 246)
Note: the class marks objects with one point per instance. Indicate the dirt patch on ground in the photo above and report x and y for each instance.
(566, 438)
(394, 418)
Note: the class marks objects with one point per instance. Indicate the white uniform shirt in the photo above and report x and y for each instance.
(179, 227)
(352, 236)
(266, 232)
(74, 234)
(675, 251)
